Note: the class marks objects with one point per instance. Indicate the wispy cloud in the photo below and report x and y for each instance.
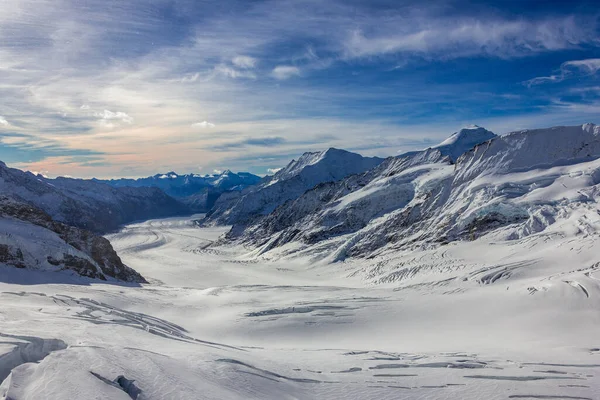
(245, 62)
(457, 37)
(567, 70)
(111, 119)
(230, 72)
(255, 142)
(3, 121)
(282, 72)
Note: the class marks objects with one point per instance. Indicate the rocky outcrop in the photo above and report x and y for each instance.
(34, 240)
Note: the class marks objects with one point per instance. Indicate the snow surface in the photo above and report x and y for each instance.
(37, 244)
(489, 319)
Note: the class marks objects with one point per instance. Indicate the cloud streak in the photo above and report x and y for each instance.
(250, 142)
(449, 38)
(568, 70)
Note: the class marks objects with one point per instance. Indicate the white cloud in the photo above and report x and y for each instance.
(569, 69)
(107, 115)
(282, 72)
(273, 170)
(217, 171)
(244, 62)
(590, 66)
(85, 107)
(3, 121)
(203, 124)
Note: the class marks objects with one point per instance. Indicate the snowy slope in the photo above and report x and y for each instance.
(30, 239)
(290, 182)
(517, 184)
(464, 140)
(87, 204)
(347, 206)
(471, 320)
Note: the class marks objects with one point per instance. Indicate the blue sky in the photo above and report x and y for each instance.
(132, 88)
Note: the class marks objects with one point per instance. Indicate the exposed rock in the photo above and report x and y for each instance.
(74, 249)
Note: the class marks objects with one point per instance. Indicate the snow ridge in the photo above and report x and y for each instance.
(290, 182)
(512, 186)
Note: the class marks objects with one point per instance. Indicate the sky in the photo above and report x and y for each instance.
(113, 88)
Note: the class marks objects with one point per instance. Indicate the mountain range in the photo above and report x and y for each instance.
(288, 183)
(510, 186)
(329, 205)
(87, 204)
(199, 192)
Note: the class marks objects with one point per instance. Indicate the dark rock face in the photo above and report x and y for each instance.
(11, 256)
(103, 261)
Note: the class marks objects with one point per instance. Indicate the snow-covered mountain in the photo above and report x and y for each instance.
(464, 140)
(30, 239)
(87, 204)
(290, 182)
(510, 186)
(185, 185)
(381, 189)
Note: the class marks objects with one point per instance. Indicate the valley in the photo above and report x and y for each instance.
(510, 320)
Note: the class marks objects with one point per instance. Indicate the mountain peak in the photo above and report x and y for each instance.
(334, 150)
(464, 140)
